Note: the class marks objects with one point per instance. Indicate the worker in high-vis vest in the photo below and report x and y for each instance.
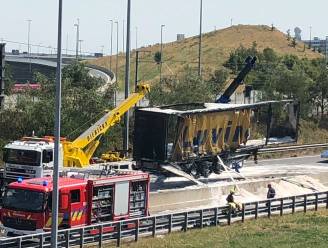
(232, 203)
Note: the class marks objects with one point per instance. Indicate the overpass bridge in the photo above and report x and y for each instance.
(23, 67)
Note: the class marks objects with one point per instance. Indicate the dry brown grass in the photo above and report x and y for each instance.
(217, 46)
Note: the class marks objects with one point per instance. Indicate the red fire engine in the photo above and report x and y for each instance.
(27, 203)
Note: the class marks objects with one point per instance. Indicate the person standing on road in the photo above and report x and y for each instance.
(271, 192)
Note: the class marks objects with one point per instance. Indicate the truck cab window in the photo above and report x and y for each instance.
(47, 156)
(50, 201)
(18, 156)
(75, 196)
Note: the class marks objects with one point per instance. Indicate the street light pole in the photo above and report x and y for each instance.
(137, 67)
(80, 44)
(111, 44)
(136, 72)
(67, 44)
(77, 25)
(310, 36)
(28, 37)
(55, 193)
(136, 38)
(116, 66)
(127, 78)
(39, 48)
(28, 43)
(123, 35)
(200, 39)
(160, 66)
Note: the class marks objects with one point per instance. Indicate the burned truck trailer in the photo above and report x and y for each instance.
(195, 138)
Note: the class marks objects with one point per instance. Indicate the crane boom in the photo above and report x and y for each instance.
(79, 152)
(225, 97)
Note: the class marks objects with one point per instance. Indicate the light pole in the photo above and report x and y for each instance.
(102, 49)
(137, 67)
(28, 43)
(310, 36)
(200, 39)
(111, 44)
(326, 49)
(67, 44)
(28, 37)
(160, 65)
(123, 35)
(55, 194)
(77, 25)
(116, 66)
(80, 44)
(127, 78)
(136, 38)
(39, 48)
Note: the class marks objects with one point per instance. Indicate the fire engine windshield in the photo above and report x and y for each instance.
(26, 157)
(24, 200)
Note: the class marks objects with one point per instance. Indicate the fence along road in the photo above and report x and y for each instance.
(162, 224)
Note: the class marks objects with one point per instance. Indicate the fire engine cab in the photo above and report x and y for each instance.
(82, 201)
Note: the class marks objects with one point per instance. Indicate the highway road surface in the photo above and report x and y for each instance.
(314, 160)
(312, 166)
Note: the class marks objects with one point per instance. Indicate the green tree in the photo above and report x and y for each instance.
(318, 90)
(237, 58)
(218, 79)
(9, 82)
(158, 57)
(294, 43)
(186, 88)
(82, 105)
(288, 35)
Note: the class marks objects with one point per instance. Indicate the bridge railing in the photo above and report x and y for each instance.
(102, 69)
(132, 230)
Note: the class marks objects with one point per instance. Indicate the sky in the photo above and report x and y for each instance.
(147, 16)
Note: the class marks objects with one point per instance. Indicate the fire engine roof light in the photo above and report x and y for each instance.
(19, 179)
(45, 183)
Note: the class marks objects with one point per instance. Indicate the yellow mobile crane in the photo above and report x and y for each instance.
(79, 152)
(32, 157)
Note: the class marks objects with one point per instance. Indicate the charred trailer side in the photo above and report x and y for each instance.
(192, 136)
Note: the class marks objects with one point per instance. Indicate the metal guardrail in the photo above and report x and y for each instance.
(161, 224)
(291, 148)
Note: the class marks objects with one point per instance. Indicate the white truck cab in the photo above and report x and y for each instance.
(29, 158)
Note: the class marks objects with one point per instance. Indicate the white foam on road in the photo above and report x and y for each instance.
(289, 186)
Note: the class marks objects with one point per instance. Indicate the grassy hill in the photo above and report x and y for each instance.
(217, 46)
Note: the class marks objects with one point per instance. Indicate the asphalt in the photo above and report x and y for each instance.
(314, 160)
(312, 166)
